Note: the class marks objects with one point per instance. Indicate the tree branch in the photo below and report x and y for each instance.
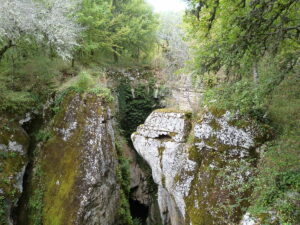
(5, 48)
(213, 15)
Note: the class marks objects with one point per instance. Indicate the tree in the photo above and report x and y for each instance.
(171, 37)
(235, 35)
(97, 18)
(141, 24)
(124, 27)
(50, 23)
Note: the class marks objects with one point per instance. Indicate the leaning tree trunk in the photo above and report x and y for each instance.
(5, 48)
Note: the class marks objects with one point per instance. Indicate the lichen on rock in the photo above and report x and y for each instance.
(197, 177)
(79, 164)
(161, 142)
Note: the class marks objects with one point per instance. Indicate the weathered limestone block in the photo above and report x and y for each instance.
(199, 165)
(14, 143)
(160, 141)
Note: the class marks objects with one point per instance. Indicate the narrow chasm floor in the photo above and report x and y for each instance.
(139, 211)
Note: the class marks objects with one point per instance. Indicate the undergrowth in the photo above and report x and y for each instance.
(123, 176)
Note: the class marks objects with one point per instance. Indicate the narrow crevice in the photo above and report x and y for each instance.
(143, 199)
(19, 213)
(164, 137)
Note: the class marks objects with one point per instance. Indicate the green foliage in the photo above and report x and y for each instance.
(35, 205)
(236, 35)
(279, 171)
(26, 83)
(117, 28)
(277, 185)
(134, 111)
(43, 135)
(247, 96)
(243, 96)
(84, 81)
(60, 97)
(137, 222)
(3, 210)
(102, 92)
(15, 102)
(123, 176)
(30, 71)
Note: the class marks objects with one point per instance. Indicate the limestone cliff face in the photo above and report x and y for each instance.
(199, 165)
(161, 142)
(79, 181)
(14, 144)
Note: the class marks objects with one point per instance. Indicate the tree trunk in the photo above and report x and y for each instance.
(116, 57)
(255, 73)
(5, 48)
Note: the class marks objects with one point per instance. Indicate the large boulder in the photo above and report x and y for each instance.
(77, 170)
(200, 165)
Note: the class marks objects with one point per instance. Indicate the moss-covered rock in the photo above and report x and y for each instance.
(78, 180)
(14, 144)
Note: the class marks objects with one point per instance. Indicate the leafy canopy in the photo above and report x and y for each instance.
(119, 27)
(236, 34)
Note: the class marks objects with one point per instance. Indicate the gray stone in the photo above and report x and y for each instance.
(183, 170)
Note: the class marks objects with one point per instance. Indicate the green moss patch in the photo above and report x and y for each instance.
(215, 125)
(217, 112)
(61, 164)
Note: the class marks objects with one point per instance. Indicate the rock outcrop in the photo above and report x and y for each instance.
(76, 169)
(14, 143)
(199, 165)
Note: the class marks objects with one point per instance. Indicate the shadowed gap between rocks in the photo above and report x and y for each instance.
(139, 211)
(20, 211)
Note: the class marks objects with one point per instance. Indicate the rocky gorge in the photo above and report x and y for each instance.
(147, 112)
(69, 163)
(183, 169)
